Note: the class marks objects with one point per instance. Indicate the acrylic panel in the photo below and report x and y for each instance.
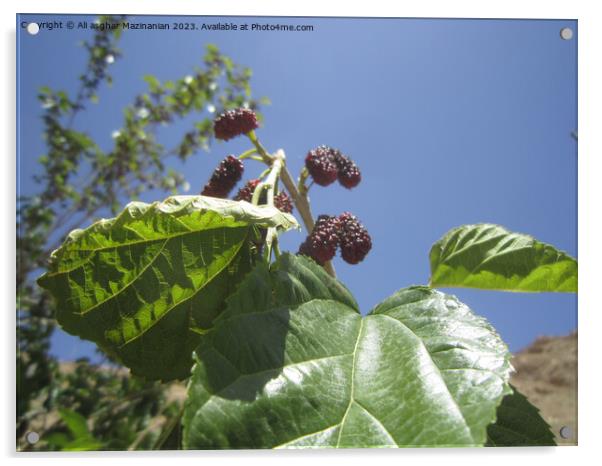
(295, 232)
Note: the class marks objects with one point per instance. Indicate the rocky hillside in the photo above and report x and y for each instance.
(546, 373)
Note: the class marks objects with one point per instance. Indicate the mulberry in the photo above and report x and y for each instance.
(246, 192)
(348, 172)
(283, 202)
(354, 239)
(321, 244)
(321, 165)
(224, 178)
(234, 123)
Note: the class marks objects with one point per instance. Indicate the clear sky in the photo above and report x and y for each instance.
(450, 121)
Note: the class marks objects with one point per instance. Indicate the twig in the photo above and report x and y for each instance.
(300, 200)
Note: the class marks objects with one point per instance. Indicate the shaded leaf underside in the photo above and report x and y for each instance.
(291, 364)
(491, 257)
(519, 423)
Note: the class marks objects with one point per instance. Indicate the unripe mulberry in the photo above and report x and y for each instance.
(321, 165)
(354, 239)
(321, 244)
(234, 123)
(283, 202)
(246, 192)
(224, 178)
(348, 172)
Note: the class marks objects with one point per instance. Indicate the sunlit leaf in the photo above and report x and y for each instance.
(141, 285)
(292, 364)
(491, 257)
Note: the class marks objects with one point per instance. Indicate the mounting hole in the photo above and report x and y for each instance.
(566, 33)
(566, 432)
(33, 28)
(32, 437)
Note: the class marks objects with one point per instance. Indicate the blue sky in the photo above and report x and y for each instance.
(450, 121)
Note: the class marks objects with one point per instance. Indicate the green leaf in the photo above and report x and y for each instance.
(83, 444)
(141, 285)
(75, 422)
(82, 439)
(81, 139)
(291, 363)
(491, 257)
(57, 439)
(153, 83)
(519, 424)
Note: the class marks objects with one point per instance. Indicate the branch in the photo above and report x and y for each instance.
(301, 201)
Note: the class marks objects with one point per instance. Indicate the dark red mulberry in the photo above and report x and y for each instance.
(234, 123)
(321, 165)
(246, 192)
(283, 202)
(348, 172)
(224, 178)
(321, 244)
(354, 239)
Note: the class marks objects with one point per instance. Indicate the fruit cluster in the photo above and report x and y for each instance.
(355, 240)
(321, 244)
(224, 177)
(329, 232)
(283, 202)
(234, 123)
(326, 164)
(246, 192)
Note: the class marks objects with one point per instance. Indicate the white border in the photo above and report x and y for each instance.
(590, 202)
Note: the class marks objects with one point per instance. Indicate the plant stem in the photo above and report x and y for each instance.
(300, 200)
(264, 174)
(248, 153)
(270, 182)
(270, 236)
(276, 247)
(302, 204)
(267, 158)
(303, 189)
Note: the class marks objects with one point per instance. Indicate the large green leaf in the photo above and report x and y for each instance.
(291, 363)
(491, 257)
(144, 284)
(519, 424)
